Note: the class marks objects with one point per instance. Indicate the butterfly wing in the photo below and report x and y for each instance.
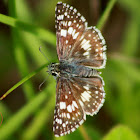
(75, 98)
(89, 92)
(68, 114)
(90, 49)
(76, 42)
(69, 25)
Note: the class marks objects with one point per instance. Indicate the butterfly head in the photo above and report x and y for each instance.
(54, 70)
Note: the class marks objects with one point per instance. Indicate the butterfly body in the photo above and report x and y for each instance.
(79, 88)
(67, 70)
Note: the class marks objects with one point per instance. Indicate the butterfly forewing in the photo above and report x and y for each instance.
(68, 114)
(70, 25)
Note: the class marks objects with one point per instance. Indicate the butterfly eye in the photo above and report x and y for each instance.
(54, 74)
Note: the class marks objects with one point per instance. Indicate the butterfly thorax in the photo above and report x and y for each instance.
(66, 69)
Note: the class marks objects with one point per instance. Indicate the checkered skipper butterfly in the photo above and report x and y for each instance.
(81, 51)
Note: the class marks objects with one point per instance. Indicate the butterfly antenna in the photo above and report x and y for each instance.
(42, 84)
(43, 54)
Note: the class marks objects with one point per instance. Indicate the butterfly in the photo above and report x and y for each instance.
(81, 52)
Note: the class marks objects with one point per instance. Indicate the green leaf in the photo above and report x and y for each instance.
(121, 133)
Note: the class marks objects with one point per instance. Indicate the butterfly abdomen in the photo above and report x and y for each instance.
(82, 71)
(72, 69)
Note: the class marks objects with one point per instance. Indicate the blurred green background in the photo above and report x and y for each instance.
(28, 112)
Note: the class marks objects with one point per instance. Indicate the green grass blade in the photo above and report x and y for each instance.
(41, 119)
(106, 14)
(23, 81)
(19, 118)
(39, 32)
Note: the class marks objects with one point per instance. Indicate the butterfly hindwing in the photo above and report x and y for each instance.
(90, 49)
(89, 92)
